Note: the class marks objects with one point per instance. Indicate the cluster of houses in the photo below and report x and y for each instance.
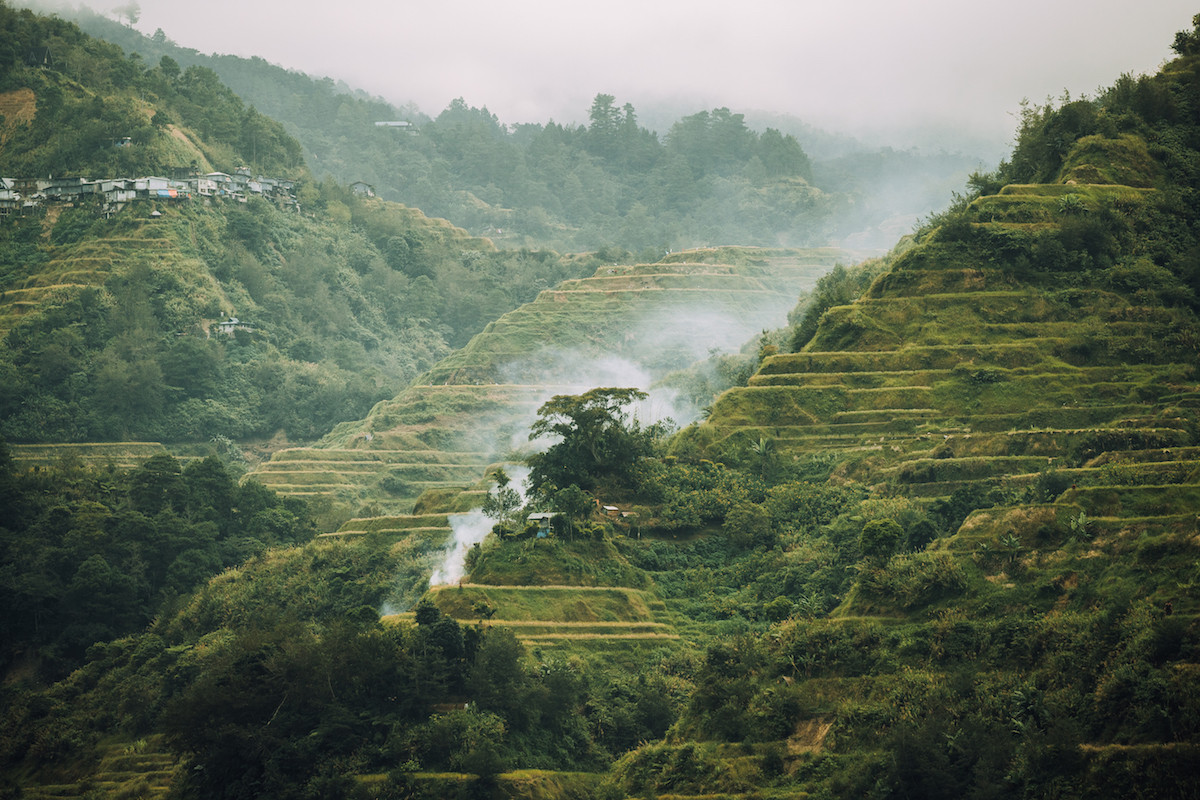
(25, 195)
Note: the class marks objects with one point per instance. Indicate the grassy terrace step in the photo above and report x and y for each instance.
(785, 414)
(1056, 442)
(124, 455)
(1009, 354)
(299, 472)
(698, 281)
(1163, 373)
(883, 414)
(858, 379)
(310, 455)
(1143, 456)
(965, 314)
(406, 532)
(559, 295)
(301, 488)
(550, 604)
(799, 405)
(947, 488)
(351, 467)
(1040, 203)
(928, 470)
(1058, 418)
(396, 523)
(1136, 501)
(924, 282)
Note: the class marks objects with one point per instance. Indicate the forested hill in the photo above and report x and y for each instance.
(111, 318)
(707, 178)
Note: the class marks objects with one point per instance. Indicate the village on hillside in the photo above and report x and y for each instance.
(28, 195)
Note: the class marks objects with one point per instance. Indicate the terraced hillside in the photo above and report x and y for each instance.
(122, 455)
(959, 374)
(576, 617)
(66, 267)
(625, 325)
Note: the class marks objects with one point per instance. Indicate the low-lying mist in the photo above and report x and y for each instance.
(468, 530)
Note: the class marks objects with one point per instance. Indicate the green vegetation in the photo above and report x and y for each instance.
(334, 322)
(473, 408)
(597, 440)
(87, 95)
(945, 547)
(109, 323)
(92, 554)
(708, 177)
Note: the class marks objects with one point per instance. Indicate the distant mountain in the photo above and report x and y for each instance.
(650, 183)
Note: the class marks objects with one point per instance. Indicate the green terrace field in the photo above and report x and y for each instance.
(140, 768)
(474, 407)
(122, 455)
(127, 243)
(952, 374)
(587, 618)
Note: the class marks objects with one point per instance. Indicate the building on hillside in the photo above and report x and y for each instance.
(227, 327)
(397, 124)
(362, 189)
(544, 520)
(64, 190)
(116, 193)
(10, 198)
(227, 186)
(202, 186)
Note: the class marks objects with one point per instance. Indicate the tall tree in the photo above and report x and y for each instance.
(597, 439)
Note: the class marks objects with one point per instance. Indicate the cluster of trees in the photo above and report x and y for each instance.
(710, 178)
(73, 132)
(91, 555)
(278, 677)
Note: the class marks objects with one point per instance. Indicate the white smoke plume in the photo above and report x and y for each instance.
(470, 529)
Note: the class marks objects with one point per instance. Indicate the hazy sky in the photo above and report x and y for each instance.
(837, 63)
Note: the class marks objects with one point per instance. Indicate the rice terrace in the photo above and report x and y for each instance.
(348, 451)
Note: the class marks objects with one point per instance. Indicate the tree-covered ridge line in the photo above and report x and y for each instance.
(95, 554)
(706, 178)
(348, 301)
(344, 315)
(90, 95)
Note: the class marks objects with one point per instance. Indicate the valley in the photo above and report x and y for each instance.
(347, 501)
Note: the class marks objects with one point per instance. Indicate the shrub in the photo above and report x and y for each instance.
(916, 579)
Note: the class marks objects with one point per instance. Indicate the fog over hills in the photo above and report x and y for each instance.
(866, 67)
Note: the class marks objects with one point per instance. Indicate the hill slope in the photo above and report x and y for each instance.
(624, 325)
(992, 595)
(112, 300)
(586, 186)
(1020, 390)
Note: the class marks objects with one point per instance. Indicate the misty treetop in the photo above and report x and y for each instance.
(599, 440)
